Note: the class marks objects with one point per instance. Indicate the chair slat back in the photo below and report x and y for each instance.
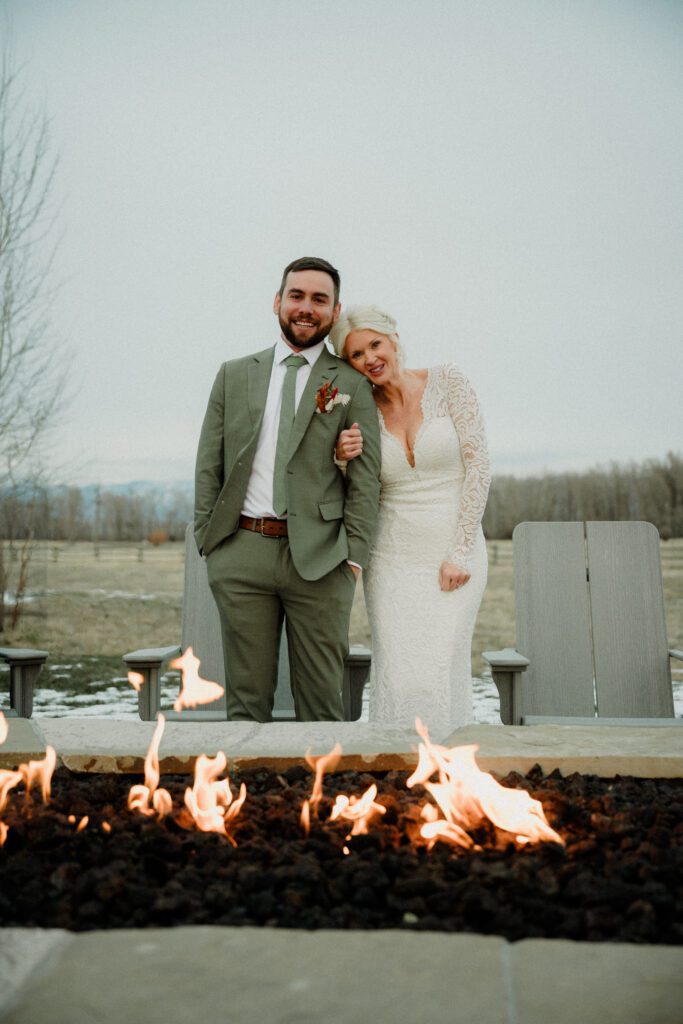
(201, 630)
(632, 673)
(553, 619)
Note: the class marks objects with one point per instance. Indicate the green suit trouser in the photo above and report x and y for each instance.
(255, 585)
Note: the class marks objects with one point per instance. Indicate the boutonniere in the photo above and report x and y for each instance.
(326, 397)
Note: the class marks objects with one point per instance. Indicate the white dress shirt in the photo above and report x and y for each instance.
(258, 500)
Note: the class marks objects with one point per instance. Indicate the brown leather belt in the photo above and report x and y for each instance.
(266, 527)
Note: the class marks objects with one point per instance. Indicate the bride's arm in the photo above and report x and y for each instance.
(467, 419)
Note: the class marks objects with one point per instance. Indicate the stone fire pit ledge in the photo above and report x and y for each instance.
(642, 751)
(105, 745)
(108, 745)
(24, 743)
(245, 975)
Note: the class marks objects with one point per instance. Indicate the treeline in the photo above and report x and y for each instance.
(651, 490)
(72, 513)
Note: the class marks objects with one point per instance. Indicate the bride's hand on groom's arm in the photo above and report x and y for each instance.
(451, 576)
(349, 444)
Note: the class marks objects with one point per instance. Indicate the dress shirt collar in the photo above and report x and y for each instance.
(282, 350)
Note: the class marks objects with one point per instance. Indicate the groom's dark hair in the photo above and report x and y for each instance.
(312, 263)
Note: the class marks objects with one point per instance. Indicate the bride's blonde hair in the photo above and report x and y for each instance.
(364, 318)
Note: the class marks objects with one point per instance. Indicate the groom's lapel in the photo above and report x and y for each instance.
(258, 379)
(325, 368)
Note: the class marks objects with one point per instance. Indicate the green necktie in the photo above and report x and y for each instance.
(284, 430)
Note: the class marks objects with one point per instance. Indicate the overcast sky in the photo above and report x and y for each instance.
(505, 176)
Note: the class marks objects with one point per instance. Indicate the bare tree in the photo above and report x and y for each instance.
(651, 490)
(32, 374)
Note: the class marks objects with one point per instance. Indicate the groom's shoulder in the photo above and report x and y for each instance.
(242, 363)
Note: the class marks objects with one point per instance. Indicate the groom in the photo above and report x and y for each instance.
(283, 531)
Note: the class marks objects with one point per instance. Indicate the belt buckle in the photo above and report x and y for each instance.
(261, 522)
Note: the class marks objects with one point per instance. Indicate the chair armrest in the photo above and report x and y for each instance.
(506, 659)
(676, 654)
(151, 655)
(23, 656)
(148, 662)
(506, 668)
(24, 668)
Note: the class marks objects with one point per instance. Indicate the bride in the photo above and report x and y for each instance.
(428, 565)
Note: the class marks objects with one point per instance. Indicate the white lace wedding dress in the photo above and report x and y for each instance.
(421, 635)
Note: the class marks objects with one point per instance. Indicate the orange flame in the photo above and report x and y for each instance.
(360, 810)
(210, 802)
(140, 796)
(305, 817)
(8, 780)
(4, 728)
(28, 773)
(467, 796)
(136, 679)
(320, 765)
(106, 827)
(194, 690)
(83, 823)
(162, 802)
(40, 770)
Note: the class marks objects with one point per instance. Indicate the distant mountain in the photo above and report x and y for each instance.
(139, 487)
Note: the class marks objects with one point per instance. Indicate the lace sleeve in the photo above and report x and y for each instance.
(341, 464)
(464, 411)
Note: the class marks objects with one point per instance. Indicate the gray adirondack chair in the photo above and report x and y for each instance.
(201, 630)
(591, 634)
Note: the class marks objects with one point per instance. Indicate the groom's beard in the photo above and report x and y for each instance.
(293, 333)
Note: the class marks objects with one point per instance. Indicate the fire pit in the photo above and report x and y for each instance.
(88, 862)
(271, 847)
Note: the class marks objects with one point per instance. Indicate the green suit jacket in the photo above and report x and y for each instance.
(330, 517)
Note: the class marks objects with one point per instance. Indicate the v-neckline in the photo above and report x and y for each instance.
(418, 432)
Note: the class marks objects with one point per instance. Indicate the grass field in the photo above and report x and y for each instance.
(88, 610)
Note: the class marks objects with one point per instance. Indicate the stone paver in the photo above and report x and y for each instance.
(26, 954)
(564, 982)
(25, 742)
(86, 744)
(364, 745)
(164, 976)
(179, 975)
(591, 750)
(110, 745)
(101, 745)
